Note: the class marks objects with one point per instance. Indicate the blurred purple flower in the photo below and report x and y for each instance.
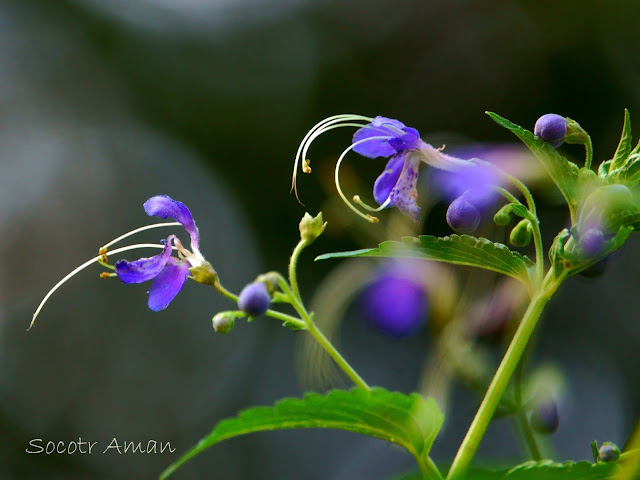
(169, 273)
(476, 182)
(396, 302)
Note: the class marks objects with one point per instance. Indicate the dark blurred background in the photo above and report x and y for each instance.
(104, 103)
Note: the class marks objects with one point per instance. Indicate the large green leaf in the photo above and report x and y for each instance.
(457, 249)
(410, 421)
(563, 172)
(541, 470)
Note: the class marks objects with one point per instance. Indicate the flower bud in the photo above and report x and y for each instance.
(592, 242)
(270, 279)
(503, 216)
(311, 227)
(551, 128)
(254, 299)
(544, 417)
(608, 452)
(463, 216)
(521, 234)
(223, 322)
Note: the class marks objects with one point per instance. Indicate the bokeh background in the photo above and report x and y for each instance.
(104, 103)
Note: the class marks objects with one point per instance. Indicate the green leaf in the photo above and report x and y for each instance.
(624, 146)
(541, 470)
(410, 421)
(563, 172)
(456, 249)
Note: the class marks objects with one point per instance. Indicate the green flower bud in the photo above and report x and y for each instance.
(521, 234)
(608, 452)
(503, 216)
(223, 322)
(575, 133)
(270, 279)
(311, 227)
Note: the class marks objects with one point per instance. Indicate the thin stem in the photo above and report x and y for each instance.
(499, 384)
(293, 280)
(296, 302)
(428, 469)
(528, 436)
(521, 416)
(588, 146)
(333, 353)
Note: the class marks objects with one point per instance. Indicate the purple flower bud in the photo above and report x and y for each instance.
(551, 128)
(544, 417)
(608, 452)
(254, 299)
(462, 216)
(592, 242)
(396, 302)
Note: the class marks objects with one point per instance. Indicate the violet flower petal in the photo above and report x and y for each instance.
(163, 206)
(380, 126)
(144, 269)
(388, 178)
(404, 195)
(168, 283)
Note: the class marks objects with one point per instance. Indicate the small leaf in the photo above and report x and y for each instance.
(520, 210)
(456, 249)
(563, 172)
(410, 421)
(624, 146)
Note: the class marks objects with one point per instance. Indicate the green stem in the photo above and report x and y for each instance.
(428, 469)
(333, 353)
(499, 384)
(537, 236)
(293, 280)
(521, 416)
(588, 146)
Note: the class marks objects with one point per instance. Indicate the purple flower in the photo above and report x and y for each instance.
(396, 302)
(551, 128)
(168, 273)
(387, 138)
(396, 185)
(477, 182)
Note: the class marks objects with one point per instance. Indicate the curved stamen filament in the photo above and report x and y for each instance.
(85, 265)
(359, 201)
(367, 217)
(141, 229)
(313, 134)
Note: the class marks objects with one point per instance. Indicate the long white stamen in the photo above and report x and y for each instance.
(368, 218)
(307, 140)
(359, 201)
(141, 229)
(85, 265)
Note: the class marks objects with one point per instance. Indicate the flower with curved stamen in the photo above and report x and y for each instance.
(388, 138)
(168, 273)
